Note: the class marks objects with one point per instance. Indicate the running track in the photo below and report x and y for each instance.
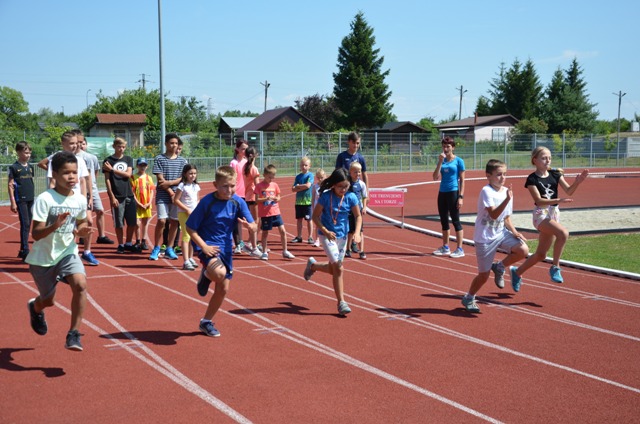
(408, 352)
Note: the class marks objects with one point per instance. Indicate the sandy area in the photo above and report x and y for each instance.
(576, 221)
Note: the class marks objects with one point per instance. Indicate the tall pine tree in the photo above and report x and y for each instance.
(360, 92)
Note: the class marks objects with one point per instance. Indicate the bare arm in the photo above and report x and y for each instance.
(570, 189)
(436, 173)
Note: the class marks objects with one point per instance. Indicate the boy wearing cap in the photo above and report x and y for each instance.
(143, 190)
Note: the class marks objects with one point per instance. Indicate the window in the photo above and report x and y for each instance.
(498, 134)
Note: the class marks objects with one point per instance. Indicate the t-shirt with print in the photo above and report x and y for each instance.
(171, 169)
(189, 195)
(450, 174)
(142, 186)
(335, 212)
(83, 172)
(120, 186)
(547, 186)
(22, 176)
(268, 207)
(49, 250)
(304, 197)
(488, 229)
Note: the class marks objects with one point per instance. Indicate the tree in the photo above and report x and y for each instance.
(320, 109)
(191, 115)
(13, 109)
(360, 92)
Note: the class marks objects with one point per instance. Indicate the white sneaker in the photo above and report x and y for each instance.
(265, 257)
(458, 253)
(287, 255)
(193, 262)
(442, 251)
(255, 253)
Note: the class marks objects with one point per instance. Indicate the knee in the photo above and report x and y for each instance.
(563, 235)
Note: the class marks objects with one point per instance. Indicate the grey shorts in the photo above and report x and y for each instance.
(486, 252)
(46, 277)
(167, 210)
(97, 202)
(125, 212)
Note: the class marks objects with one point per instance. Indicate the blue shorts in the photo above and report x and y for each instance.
(268, 222)
(225, 258)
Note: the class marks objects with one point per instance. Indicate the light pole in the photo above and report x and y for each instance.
(88, 98)
(620, 95)
(266, 87)
(462, 91)
(162, 112)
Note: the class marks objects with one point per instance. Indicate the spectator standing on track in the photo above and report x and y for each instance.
(450, 170)
(22, 193)
(331, 217)
(251, 177)
(302, 188)
(59, 216)
(117, 170)
(210, 226)
(143, 193)
(267, 198)
(359, 188)
(186, 199)
(315, 195)
(494, 230)
(167, 168)
(346, 158)
(237, 163)
(543, 187)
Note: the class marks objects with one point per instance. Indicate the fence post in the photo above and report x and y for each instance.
(590, 150)
(410, 152)
(564, 155)
(302, 144)
(375, 157)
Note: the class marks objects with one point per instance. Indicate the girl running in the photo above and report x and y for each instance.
(186, 199)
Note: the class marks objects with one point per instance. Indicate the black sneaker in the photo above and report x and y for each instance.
(143, 245)
(203, 283)
(354, 247)
(105, 240)
(120, 249)
(73, 341)
(131, 248)
(38, 322)
(347, 254)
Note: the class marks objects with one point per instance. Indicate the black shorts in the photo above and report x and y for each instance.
(352, 224)
(303, 212)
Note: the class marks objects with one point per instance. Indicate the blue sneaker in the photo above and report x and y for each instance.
(203, 283)
(208, 328)
(170, 253)
(516, 280)
(470, 304)
(90, 259)
(555, 274)
(154, 253)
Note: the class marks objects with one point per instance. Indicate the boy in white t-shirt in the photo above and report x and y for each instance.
(494, 230)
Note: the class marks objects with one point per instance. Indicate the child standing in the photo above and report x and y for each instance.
(143, 191)
(21, 193)
(251, 175)
(302, 188)
(237, 163)
(543, 187)
(117, 170)
(331, 217)
(186, 199)
(59, 216)
(494, 230)
(210, 226)
(315, 195)
(450, 169)
(267, 197)
(359, 188)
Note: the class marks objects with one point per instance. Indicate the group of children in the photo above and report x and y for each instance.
(334, 205)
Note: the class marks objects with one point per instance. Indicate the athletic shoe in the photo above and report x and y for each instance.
(287, 255)
(555, 274)
(317, 243)
(203, 283)
(188, 266)
(104, 240)
(347, 254)
(73, 341)
(90, 259)
(177, 250)
(310, 240)
(297, 240)
(458, 253)
(264, 256)
(170, 253)
(163, 248)
(247, 249)
(354, 247)
(38, 322)
(120, 249)
(193, 262)
(130, 248)
(238, 249)
(516, 280)
(363, 255)
(470, 304)
(208, 328)
(498, 270)
(442, 251)
(255, 253)
(308, 272)
(143, 245)
(343, 308)
(154, 253)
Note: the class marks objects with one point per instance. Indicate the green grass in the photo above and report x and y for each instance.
(615, 251)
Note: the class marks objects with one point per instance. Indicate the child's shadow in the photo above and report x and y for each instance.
(496, 298)
(288, 308)
(157, 337)
(403, 313)
(7, 363)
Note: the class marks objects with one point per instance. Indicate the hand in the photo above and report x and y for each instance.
(107, 167)
(14, 208)
(211, 251)
(441, 157)
(61, 219)
(566, 200)
(583, 176)
(114, 203)
(510, 192)
(331, 236)
(364, 211)
(520, 236)
(357, 238)
(460, 202)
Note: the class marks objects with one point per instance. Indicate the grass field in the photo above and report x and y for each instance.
(615, 251)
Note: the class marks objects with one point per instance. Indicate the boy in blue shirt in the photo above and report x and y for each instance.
(210, 226)
(302, 188)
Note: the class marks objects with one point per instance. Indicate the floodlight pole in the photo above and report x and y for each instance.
(620, 95)
(162, 115)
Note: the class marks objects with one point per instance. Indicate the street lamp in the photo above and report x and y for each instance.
(88, 98)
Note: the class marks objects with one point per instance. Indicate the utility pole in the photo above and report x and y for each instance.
(266, 87)
(462, 91)
(88, 98)
(620, 95)
(143, 80)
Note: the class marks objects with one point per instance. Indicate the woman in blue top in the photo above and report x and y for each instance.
(331, 217)
(450, 170)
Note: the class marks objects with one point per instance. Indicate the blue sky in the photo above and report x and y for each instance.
(59, 54)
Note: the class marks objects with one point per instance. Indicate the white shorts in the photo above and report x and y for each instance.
(549, 212)
(486, 252)
(335, 249)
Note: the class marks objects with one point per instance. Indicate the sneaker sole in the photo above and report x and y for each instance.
(206, 333)
(74, 348)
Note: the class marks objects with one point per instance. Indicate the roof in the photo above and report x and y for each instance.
(480, 121)
(116, 118)
(271, 120)
(235, 123)
(400, 126)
